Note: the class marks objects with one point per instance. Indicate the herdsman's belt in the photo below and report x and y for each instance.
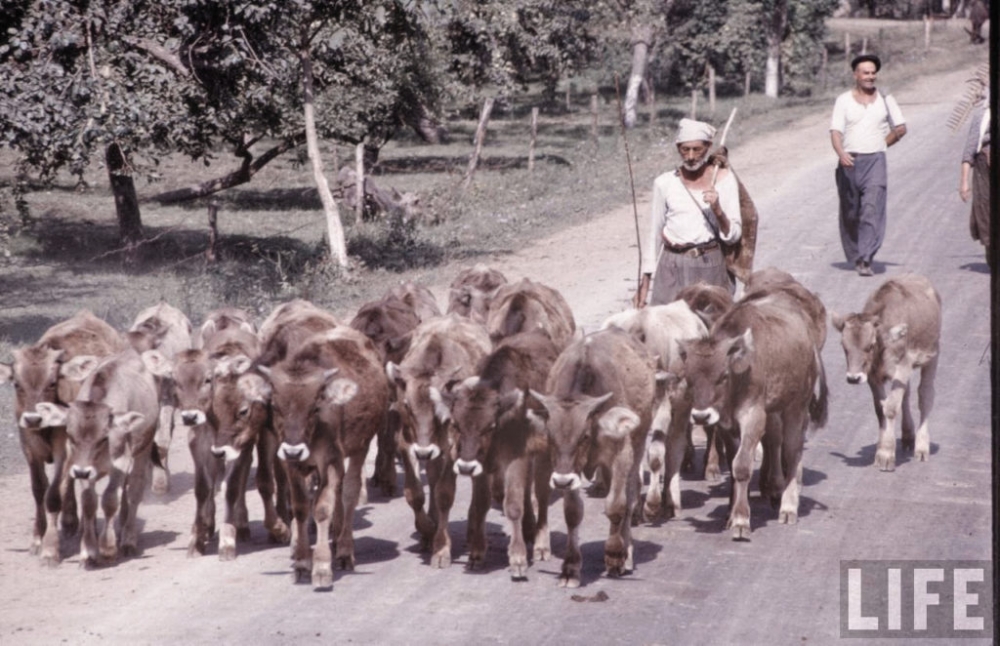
(692, 251)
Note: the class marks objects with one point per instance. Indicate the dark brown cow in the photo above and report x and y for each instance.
(707, 301)
(598, 409)
(493, 434)
(389, 323)
(165, 328)
(35, 374)
(110, 427)
(418, 297)
(661, 328)
(756, 375)
(472, 290)
(290, 325)
(443, 349)
(329, 399)
(525, 306)
(896, 333)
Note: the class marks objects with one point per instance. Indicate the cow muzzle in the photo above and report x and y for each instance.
(704, 416)
(192, 417)
(425, 452)
(227, 452)
(30, 420)
(565, 481)
(857, 378)
(83, 473)
(468, 468)
(293, 452)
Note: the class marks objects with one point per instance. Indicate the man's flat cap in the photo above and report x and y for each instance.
(870, 58)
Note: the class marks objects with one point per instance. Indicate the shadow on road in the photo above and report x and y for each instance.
(976, 267)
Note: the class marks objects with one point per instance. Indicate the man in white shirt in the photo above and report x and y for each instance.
(865, 122)
(694, 210)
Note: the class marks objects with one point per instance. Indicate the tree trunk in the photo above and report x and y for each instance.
(642, 40)
(242, 175)
(775, 34)
(484, 119)
(335, 229)
(126, 201)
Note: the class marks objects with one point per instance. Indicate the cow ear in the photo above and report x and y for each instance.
(594, 405)
(157, 363)
(898, 332)
(6, 373)
(740, 352)
(617, 423)
(240, 364)
(129, 422)
(207, 330)
(264, 370)
(52, 414)
(538, 436)
(682, 349)
(398, 345)
(666, 379)
(341, 391)
(441, 410)
(79, 368)
(255, 388)
(395, 374)
(838, 321)
(510, 401)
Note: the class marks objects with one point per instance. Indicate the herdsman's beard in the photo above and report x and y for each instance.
(696, 165)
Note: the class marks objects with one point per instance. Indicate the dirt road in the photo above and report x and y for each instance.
(693, 584)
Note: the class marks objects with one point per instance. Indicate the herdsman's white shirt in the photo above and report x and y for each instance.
(864, 125)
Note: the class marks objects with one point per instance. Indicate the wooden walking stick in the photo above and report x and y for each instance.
(640, 296)
(722, 142)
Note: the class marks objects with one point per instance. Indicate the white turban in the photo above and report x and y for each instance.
(691, 130)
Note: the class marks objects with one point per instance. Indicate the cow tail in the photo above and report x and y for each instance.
(819, 408)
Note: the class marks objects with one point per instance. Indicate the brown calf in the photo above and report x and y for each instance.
(472, 290)
(597, 412)
(896, 333)
(526, 306)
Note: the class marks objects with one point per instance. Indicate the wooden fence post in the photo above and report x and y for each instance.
(847, 47)
(359, 186)
(927, 32)
(823, 70)
(746, 83)
(651, 96)
(694, 103)
(593, 123)
(864, 45)
(711, 90)
(534, 136)
(484, 118)
(213, 231)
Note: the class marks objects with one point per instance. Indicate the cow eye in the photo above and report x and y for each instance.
(722, 378)
(244, 411)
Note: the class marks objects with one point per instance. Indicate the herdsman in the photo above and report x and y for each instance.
(865, 123)
(691, 218)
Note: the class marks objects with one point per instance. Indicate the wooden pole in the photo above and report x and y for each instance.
(534, 136)
(359, 186)
(847, 47)
(593, 122)
(927, 32)
(569, 96)
(823, 70)
(694, 103)
(213, 231)
(484, 118)
(864, 45)
(651, 95)
(711, 90)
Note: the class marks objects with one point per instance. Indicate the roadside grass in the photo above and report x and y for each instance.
(272, 243)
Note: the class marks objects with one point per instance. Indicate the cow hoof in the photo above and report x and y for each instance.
(713, 474)
(907, 443)
(322, 578)
(49, 561)
(195, 547)
(243, 534)
(923, 455)
(90, 563)
(476, 561)
(161, 482)
(302, 575)
(788, 517)
(36, 547)
(441, 559)
(345, 562)
(279, 534)
(227, 552)
(542, 553)
(885, 461)
(128, 550)
(570, 582)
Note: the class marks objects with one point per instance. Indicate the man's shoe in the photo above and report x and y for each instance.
(864, 269)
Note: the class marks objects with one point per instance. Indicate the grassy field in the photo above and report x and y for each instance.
(272, 243)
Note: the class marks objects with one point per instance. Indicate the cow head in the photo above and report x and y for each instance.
(671, 394)
(424, 416)
(710, 366)
(99, 440)
(868, 345)
(302, 397)
(478, 412)
(35, 375)
(239, 407)
(191, 386)
(580, 430)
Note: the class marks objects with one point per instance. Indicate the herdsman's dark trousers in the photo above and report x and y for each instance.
(862, 190)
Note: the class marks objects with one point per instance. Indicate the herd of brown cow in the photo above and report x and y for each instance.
(503, 388)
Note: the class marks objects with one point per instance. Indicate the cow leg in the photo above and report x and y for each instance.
(479, 506)
(891, 407)
(39, 490)
(443, 492)
(413, 491)
(323, 512)
(687, 465)
(272, 482)
(385, 457)
(925, 397)
(573, 510)
(676, 442)
(713, 472)
(623, 491)
(907, 426)
(111, 506)
(656, 460)
(351, 487)
(135, 488)
(542, 468)
(793, 425)
(65, 487)
(236, 523)
(164, 432)
(885, 448)
(772, 478)
(516, 509)
(204, 496)
(89, 555)
(298, 489)
(751, 423)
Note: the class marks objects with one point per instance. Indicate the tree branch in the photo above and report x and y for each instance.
(159, 52)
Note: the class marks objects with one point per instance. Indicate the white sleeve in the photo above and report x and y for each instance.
(657, 220)
(729, 200)
(894, 112)
(839, 120)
